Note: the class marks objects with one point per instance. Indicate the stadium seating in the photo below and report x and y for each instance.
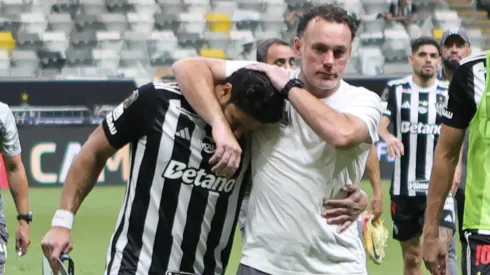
(129, 37)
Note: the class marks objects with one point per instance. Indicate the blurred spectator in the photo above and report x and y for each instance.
(295, 13)
(276, 52)
(404, 12)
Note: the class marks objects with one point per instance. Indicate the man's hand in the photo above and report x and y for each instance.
(376, 205)
(57, 240)
(22, 239)
(394, 147)
(434, 255)
(226, 158)
(344, 212)
(279, 78)
(456, 179)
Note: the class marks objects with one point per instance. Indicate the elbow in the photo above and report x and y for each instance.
(344, 141)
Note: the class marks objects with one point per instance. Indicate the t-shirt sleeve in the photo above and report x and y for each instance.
(366, 105)
(461, 105)
(233, 66)
(132, 119)
(10, 144)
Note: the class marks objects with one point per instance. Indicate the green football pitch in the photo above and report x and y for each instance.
(95, 223)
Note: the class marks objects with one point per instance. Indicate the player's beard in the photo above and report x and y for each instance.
(425, 76)
(451, 64)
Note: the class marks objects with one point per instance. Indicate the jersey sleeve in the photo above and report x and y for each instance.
(461, 105)
(388, 101)
(132, 119)
(367, 107)
(10, 145)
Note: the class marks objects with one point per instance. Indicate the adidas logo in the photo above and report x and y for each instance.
(405, 105)
(448, 218)
(184, 133)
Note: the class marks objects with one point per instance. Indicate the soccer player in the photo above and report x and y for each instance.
(455, 44)
(414, 107)
(315, 156)
(177, 215)
(19, 188)
(467, 111)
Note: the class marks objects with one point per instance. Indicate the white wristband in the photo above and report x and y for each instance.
(63, 218)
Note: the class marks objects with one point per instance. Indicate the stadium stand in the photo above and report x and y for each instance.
(115, 38)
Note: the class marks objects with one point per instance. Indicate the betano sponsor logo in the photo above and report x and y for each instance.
(420, 128)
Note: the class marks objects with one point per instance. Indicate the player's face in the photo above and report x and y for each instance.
(324, 49)
(239, 121)
(455, 49)
(282, 56)
(425, 61)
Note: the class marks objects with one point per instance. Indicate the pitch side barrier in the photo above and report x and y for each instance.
(55, 118)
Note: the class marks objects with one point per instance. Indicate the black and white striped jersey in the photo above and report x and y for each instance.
(177, 216)
(416, 116)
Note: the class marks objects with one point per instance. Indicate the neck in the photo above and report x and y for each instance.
(422, 82)
(448, 73)
(318, 93)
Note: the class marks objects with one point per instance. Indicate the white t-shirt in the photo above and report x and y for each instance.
(293, 171)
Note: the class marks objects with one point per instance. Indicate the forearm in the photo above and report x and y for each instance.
(439, 186)
(198, 88)
(19, 188)
(372, 171)
(80, 180)
(333, 127)
(383, 128)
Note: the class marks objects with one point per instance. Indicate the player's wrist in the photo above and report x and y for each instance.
(63, 218)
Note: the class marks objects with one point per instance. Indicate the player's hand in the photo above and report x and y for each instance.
(394, 147)
(279, 77)
(226, 158)
(376, 205)
(434, 255)
(344, 212)
(57, 240)
(456, 179)
(22, 238)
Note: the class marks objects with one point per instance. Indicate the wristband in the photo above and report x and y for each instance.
(63, 218)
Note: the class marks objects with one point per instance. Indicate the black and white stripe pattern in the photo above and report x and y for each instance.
(176, 215)
(415, 115)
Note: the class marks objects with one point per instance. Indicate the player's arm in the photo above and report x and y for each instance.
(128, 122)
(374, 176)
(196, 78)
(447, 154)
(394, 146)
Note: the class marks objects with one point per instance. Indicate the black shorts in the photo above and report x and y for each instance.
(477, 254)
(408, 214)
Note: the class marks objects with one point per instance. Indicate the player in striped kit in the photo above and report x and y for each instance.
(414, 107)
(178, 216)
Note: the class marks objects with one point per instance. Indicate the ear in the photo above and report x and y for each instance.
(297, 46)
(410, 59)
(223, 93)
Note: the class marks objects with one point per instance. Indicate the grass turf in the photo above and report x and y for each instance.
(95, 223)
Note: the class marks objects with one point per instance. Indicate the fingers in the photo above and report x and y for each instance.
(48, 251)
(338, 203)
(258, 67)
(399, 146)
(226, 160)
(220, 150)
(338, 220)
(331, 213)
(344, 226)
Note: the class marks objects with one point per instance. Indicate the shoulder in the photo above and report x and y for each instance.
(361, 94)
(399, 82)
(442, 85)
(473, 59)
(4, 112)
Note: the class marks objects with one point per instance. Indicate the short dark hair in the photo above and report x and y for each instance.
(425, 40)
(263, 48)
(253, 93)
(329, 13)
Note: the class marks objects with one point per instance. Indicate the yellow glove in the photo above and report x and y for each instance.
(375, 238)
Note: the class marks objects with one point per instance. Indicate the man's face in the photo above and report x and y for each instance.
(324, 49)
(453, 50)
(240, 122)
(282, 56)
(425, 61)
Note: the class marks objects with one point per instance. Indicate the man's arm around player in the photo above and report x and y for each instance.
(197, 88)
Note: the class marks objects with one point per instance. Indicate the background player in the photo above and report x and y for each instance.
(467, 111)
(455, 45)
(16, 175)
(414, 107)
(318, 152)
(277, 52)
(177, 216)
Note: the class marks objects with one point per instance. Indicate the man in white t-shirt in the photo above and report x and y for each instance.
(303, 168)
